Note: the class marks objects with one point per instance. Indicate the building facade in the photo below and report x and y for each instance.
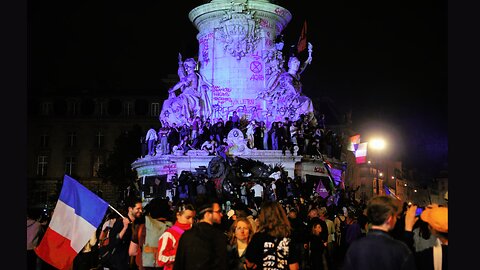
(75, 135)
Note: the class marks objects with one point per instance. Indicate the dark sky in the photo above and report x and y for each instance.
(386, 61)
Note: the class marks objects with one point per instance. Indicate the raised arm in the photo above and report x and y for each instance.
(309, 59)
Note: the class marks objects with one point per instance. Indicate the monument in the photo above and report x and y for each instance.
(239, 67)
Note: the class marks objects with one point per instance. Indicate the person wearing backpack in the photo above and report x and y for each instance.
(144, 244)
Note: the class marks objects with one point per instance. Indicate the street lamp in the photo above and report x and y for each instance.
(378, 145)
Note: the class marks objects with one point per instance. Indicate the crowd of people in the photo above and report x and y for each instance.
(210, 134)
(304, 233)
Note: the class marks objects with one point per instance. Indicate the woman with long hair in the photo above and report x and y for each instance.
(240, 234)
(168, 241)
(272, 246)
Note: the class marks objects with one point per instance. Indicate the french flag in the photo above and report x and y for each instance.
(76, 217)
(354, 142)
(361, 153)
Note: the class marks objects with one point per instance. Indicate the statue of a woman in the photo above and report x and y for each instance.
(192, 101)
(285, 90)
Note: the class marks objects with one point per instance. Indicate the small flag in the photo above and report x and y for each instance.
(302, 40)
(361, 153)
(354, 142)
(390, 192)
(76, 217)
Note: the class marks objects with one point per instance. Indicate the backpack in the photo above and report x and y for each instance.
(153, 230)
(105, 250)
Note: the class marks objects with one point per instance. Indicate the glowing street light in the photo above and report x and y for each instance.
(377, 144)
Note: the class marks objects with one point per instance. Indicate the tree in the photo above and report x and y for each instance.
(117, 170)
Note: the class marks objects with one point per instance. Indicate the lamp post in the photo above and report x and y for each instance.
(378, 145)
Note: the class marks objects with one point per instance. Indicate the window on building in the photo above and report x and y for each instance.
(42, 164)
(44, 140)
(47, 108)
(97, 163)
(70, 163)
(99, 139)
(155, 109)
(102, 109)
(73, 108)
(127, 108)
(71, 139)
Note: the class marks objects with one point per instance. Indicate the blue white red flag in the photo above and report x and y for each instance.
(390, 192)
(354, 142)
(361, 153)
(76, 217)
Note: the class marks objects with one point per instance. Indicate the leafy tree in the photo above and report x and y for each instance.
(117, 170)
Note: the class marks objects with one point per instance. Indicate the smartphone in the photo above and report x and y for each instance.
(419, 211)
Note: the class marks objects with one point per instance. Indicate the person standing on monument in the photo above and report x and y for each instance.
(151, 138)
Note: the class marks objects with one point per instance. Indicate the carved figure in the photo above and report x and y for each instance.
(193, 99)
(284, 90)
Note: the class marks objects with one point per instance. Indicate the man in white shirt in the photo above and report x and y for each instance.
(257, 190)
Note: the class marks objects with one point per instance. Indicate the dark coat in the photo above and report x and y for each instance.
(379, 250)
(200, 248)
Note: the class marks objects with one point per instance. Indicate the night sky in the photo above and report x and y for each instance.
(385, 61)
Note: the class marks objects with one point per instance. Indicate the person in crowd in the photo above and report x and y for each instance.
(168, 241)
(87, 258)
(340, 223)
(422, 236)
(299, 234)
(235, 119)
(257, 191)
(378, 249)
(271, 246)
(121, 234)
(103, 238)
(144, 244)
(195, 127)
(250, 134)
(210, 146)
(163, 135)
(151, 138)
(173, 137)
(240, 234)
(204, 246)
(34, 234)
(352, 230)
(315, 245)
(143, 147)
(330, 251)
(258, 135)
(228, 125)
(435, 257)
(184, 146)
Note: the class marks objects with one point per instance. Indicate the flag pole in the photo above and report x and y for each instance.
(111, 207)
